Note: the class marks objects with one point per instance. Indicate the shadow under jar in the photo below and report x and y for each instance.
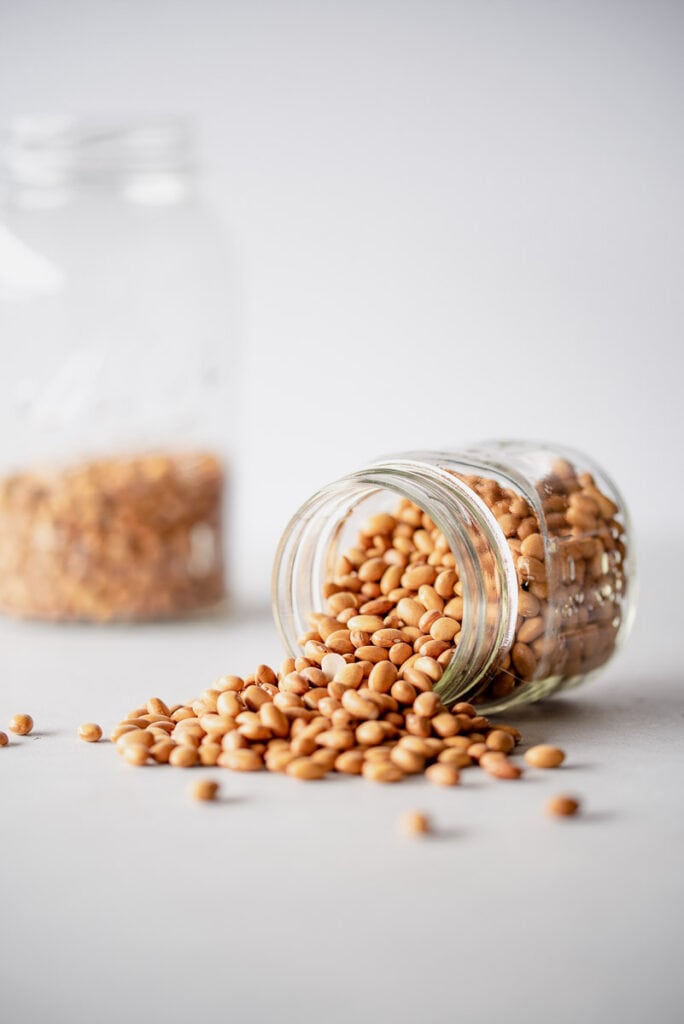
(523, 550)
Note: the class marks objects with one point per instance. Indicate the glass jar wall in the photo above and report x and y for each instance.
(523, 550)
(118, 372)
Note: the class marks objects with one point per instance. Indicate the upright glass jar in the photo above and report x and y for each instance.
(118, 356)
(532, 541)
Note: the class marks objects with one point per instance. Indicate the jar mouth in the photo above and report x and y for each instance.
(317, 533)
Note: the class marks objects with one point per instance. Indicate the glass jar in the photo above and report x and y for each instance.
(115, 319)
(532, 541)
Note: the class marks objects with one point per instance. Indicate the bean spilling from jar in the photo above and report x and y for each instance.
(571, 570)
(397, 594)
(363, 697)
(306, 721)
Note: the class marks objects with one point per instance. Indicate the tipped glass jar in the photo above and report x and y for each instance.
(115, 397)
(522, 550)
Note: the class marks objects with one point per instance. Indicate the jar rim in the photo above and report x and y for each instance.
(487, 630)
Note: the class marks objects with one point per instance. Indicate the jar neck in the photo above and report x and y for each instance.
(50, 161)
(309, 548)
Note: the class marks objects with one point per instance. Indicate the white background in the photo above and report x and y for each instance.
(451, 221)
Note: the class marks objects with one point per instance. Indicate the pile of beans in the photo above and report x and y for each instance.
(362, 696)
(571, 589)
(119, 538)
(396, 596)
(157, 732)
(306, 722)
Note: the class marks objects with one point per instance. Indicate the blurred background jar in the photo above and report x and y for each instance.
(118, 363)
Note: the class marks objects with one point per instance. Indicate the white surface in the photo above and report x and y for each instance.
(286, 901)
(471, 209)
(451, 221)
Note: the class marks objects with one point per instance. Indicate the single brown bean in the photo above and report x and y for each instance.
(416, 575)
(445, 629)
(407, 760)
(531, 568)
(274, 720)
(524, 660)
(303, 746)
(544, 756)
(254, 697)
(370, 734)
(427, 620)
(90, 732)
(500, 767)
(137, 738)
(350, 762)
(204, 789)
(156, 706)
(458, 758)
(358, 706)
(372, 570)
(367, 623)
(136, 755)
(529, 606)
(454, 608)
(278, 760)
(21, 725)
(340, 642)
(336, 739)
(531, 630)
(326, 757)
(533, 546)
(372, 654)
(305, 769)
(183, 757)
(381, 522)
(499, 740)
(217, 725)
(427, 704)
(414, 823)
(403, 692)
(387, 637)
(400, 653)
(382, 677)
(244, 760)
(445, 725)
(419, 680)
(234, 683)
(161, 751)
(429, 598)
(418, 725)
(417, 745)
(208, 752)
(444, 583)
(338, 602)
(410, 611)
(381, 771)
(431, 668)
(391, 578)
(477, 749)
(295, 683)
(380, 753)
(562, 806)
(443, 774)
